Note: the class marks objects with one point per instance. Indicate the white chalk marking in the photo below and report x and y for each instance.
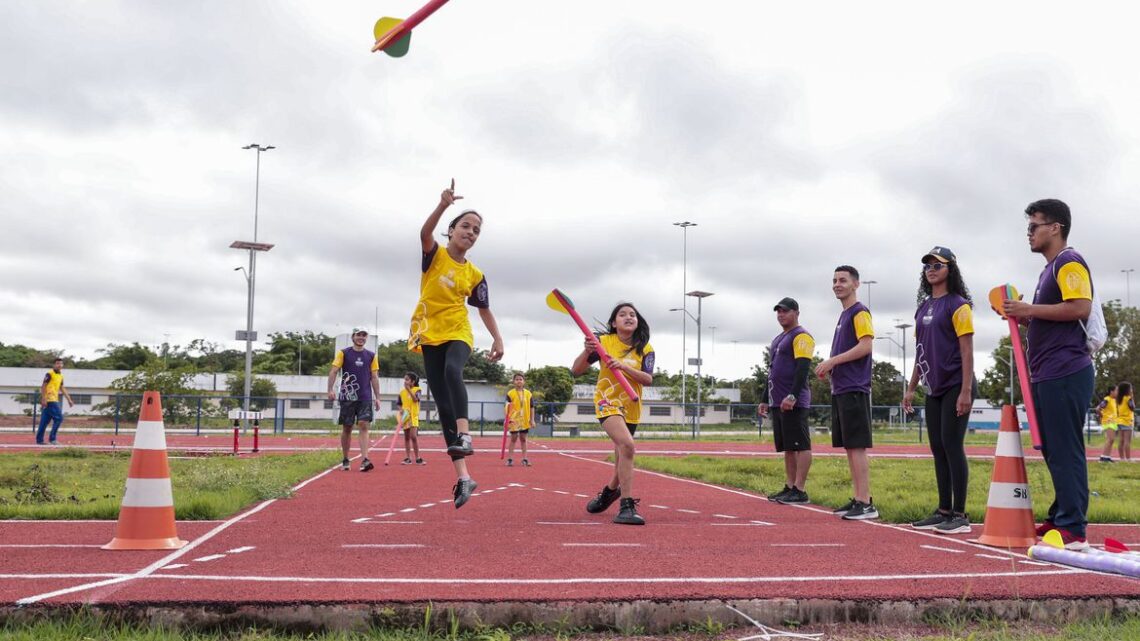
(360, 520)
(245, 548)
(568, 523)
(603, 545)
(427, 504)
(174, 566)
(210, 557)
(724, 516)
(386, 514)
(994, 556)
(808, 545)
(408, 509)
(940, 549)
(660, 507)
(560, 492)
(389, 522)
(681, 509)
(383, 545)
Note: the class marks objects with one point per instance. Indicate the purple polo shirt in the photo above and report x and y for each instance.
(1058, 349)
(856, 375)
(938, 323)
(783, 369)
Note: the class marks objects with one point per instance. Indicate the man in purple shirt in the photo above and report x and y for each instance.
(788, 397)
(1060, 364)
(850, 369)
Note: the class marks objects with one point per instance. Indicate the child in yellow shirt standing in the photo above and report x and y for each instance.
(520, 416)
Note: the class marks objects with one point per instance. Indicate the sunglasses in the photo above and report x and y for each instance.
(1033, 227)
(932, 267)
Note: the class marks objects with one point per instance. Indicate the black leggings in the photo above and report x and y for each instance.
(947, 433)
(444, 365)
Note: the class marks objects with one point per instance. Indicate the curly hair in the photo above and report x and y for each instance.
(954, 284)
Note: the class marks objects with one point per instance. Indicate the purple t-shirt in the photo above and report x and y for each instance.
(937, 353)
(783, 369)
(856, 375)
(356, 375)
(1057, 348)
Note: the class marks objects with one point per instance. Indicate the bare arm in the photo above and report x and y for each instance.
(333, 371)
(966, 396)
(446, 199)
(492, 327)
(376, 389)
(1070, 310)
(63, 390)
(582, 362)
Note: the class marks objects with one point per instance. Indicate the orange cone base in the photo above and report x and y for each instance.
(1006, 541)
(1014, 529)
(145, 544)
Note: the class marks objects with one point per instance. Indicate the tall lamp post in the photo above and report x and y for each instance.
(902, 327)
(685, 225)
(700, 296)
(1127, 286)
(251, 277)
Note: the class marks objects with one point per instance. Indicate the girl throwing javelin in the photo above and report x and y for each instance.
(626, 340)
(440, 329)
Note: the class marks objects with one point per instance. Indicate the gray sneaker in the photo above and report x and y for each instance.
(957, 524)
(463, 447)
(861, 511)
(462, 491)
(931, 522)
(795, 496)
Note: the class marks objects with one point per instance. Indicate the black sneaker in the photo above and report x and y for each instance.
(845, 508)
(462, 491)
(794, 497)
(406, 461)
(779, 495)
(603, 500)
(932, 521)
(366, 465)
(510, 462)
(1105, 459)
(420, 461)
(463, 447)
(861, 511)
(957, 524)
(344, 464)
(628, 515)
(525, 463)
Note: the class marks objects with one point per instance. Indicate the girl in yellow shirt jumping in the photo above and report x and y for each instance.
(441, 331)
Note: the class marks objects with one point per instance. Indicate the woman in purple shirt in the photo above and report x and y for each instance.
(944, 364)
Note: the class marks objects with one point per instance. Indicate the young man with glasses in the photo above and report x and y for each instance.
(1060, 364)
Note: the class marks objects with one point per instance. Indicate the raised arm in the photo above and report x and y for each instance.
(446, 199)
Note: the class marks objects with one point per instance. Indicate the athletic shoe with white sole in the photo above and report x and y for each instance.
(778, 495)
(463, 447)
(366, 465)
(957, 524)
(344, 465)
(931, 522)
(861, 511)
(628, 515)
(845, 508)
(462, 491)
(603, 500)
(795, 497)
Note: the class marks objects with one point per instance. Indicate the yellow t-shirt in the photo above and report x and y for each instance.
(52, 384)
(609, 397)
(519, 416)
(1108, 411)
(1124, 414)
(441, 314)
(410, 403)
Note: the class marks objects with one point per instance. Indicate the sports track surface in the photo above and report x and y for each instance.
(392, 535)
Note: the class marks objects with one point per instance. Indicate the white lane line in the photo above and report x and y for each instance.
(724, 516)
(46, 545)
(363, 519)
(389, 546)
(581, 496)
(681, 509)
(568, 523)
(164, 561)
(63, 576)
(501, 487)
(994, 556)
(1032, 562)
(761, 523)
(602, 545)
(427, 504)
(244, 548)
(660, 507)
(941, 549)
(210, 557)
(487, 491)
(387, 522)
(174, 566)
(447, 500)
(560, 492)
(753, 524)
(615, 580)
(538, 489)
(408, 509)
(807, 545)
(386, 514)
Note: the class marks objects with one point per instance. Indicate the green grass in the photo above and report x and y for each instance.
(73, 483)
(904, 489)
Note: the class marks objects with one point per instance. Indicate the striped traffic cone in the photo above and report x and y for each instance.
(1009, 510)
(146, 518)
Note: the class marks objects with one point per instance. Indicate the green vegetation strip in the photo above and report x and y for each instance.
(83, 625)
(72, 483)
(904, 489)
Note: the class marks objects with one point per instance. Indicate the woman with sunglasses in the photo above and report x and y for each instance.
(944, 364)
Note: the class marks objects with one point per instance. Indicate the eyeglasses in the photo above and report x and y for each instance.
(932, 267)
(1033, 227)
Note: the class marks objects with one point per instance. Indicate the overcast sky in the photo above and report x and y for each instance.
(798, 136)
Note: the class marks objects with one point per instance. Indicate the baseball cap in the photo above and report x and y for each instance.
(787, 303)
(359, 329)
(941, 254)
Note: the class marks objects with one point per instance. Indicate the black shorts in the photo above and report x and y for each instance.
(523, 432)
(790, 429)
(851, 420)
(353, 412)
(632, 426)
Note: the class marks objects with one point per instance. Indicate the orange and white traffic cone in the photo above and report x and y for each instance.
(146, 518)
(1009, 510)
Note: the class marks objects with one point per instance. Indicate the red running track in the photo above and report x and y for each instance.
(392, 535)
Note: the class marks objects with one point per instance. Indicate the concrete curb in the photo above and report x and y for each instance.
(632, 617)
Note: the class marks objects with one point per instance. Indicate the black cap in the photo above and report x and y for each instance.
(941, 254)
(787, 303)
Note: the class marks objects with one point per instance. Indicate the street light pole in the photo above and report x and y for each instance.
(700, 296)
(902, 330)
(1127, 286)
(253, 248)
(685, 225)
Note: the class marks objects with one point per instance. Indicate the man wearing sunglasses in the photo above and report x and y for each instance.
(1060, 365)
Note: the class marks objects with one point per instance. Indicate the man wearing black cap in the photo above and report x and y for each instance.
(788, 397)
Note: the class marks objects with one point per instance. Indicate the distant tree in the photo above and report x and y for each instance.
(22, 356)
(886, 384)
(995, 381)
(396, 360)
(480, 368)
(173, 385)
(551, 384)
(128, 357)
(262, 391)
